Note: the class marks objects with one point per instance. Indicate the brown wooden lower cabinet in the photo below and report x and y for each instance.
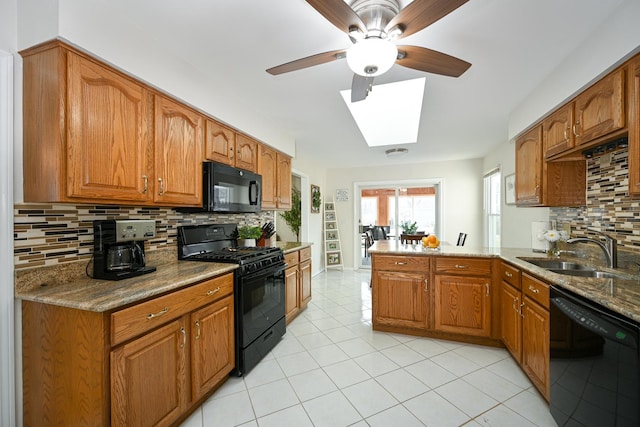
(77, 370)
(524, 306)
(462, 305)
(297, 282)
(400, 299)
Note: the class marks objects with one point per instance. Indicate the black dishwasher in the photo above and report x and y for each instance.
(594, 369)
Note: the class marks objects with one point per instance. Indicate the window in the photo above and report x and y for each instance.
(492, 203)
(369, 214)
(418, 208)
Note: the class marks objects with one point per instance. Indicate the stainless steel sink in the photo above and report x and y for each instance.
(585, 273)
(554, 264)
(569, 268)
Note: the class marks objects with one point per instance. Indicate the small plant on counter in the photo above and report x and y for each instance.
(249, 232)
(408, 227)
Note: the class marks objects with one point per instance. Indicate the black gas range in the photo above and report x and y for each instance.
(259, 287)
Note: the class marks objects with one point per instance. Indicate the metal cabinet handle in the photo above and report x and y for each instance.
(184, 337)
(486, 286)
(400, 263)
(513, 304)
(158, 314)
(508, 274)
(521, 313)
(575, 128)
(566, 134)
(213, 291)
(161, 191)
(534, 290)
(146, 184)
(461, 266)
(426, 285)
(197, 323)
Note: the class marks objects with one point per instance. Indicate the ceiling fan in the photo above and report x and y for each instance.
(372, 26)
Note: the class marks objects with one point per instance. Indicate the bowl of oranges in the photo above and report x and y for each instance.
(431, 241)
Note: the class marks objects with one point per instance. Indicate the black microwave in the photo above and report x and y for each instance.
(227, 189)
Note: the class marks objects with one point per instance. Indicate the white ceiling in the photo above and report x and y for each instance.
(512, 46)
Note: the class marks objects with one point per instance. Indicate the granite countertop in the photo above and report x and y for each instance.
(84, 293)
(621, 295)
(69, 286)
(291, 246)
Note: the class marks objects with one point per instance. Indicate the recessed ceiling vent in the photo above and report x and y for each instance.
(607, 147)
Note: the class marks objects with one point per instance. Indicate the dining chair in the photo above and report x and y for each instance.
(462, 237)
(368, 241)
(379, 233)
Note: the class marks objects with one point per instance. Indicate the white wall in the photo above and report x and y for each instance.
(316, 175)
(516, 230)
(8, 128)
(612, 43)
(461, 191)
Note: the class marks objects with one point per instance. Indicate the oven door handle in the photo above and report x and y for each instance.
(253, 193)
(265, 272)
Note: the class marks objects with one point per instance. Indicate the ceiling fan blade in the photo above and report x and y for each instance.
(420, 14)
(309, 61)
(360, 87)
(431, 61)
(338, 13)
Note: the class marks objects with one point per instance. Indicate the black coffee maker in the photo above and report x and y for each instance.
(118, 248)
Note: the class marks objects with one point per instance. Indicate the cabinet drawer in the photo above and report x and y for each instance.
(466, 266)
(401, 263)
(536, 289)
(291, 258)
(305, 253)
(145, 316)
(510, 274)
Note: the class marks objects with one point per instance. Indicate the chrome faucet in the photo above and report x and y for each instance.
(609, 247)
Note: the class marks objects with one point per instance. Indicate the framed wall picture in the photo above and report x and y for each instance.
(329, 216)
(331, 225)
(316, 199)
(333, 246)
(331, 235)
(334, 258)
(328, 207)
(510, 189)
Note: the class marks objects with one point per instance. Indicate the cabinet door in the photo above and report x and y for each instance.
(291, 292)
(557, 133)
(178, 154)
(535, 345)
(305, 282)
(108, 134)
(462, 305)
(284, 182)
(634, 127)
(600, 109)
(267, 167)
(212, 346)
(510, 320)
(246, 153)
(149, 379)
(220, 143)
(529, 168)
(400, 299)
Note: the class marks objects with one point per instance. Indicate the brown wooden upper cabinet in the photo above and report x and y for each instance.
(542, 183)
(275, 169)
(595, 114)
(634, 126)
(91, 135)
(224, 145)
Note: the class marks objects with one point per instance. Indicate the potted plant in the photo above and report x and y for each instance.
(248, 234)
(408, 227)
(293, 217)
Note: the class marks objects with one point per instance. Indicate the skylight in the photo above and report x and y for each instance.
(390, 115)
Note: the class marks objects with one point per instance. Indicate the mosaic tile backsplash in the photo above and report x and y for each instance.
(50, 234)
(609, 207)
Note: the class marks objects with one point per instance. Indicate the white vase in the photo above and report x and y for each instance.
(246, 242)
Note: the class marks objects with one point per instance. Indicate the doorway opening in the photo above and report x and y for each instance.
(382, 208)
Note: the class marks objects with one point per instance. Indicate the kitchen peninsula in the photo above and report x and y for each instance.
(483, 296)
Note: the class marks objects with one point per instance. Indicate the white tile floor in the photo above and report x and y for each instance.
(331, 369)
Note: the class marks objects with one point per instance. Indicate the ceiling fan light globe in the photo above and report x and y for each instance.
(372, 57)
